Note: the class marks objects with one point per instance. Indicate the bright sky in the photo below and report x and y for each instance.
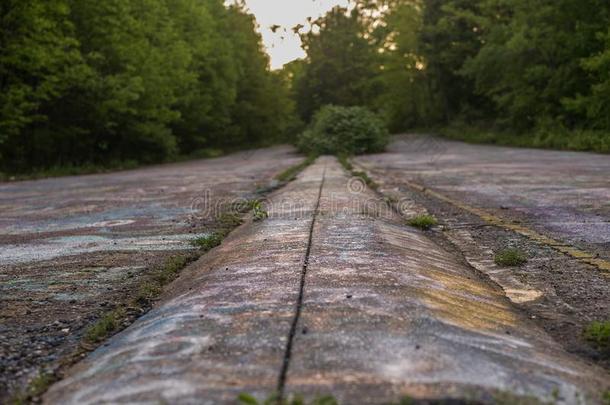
(284, 45)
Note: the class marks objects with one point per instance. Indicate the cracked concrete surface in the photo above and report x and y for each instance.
(385, 313)
(564, 195)
(73, 248)
(490, 198)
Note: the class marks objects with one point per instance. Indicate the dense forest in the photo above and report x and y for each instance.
(521, 72)
(95, 82)
(90, 82)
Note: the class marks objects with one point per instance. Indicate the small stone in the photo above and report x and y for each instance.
(348, 296)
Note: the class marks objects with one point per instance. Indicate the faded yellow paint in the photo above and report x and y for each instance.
(584, 257)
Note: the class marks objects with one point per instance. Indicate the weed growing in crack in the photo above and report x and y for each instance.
(510, 257)
(258, 212)
(105, 326)
(147, 292)
(423, 222)
(344, 160)
(292, 172)
(209, 242)
(229, 220)
(247, 399)
(112, 321)
(36, 387)
(606, 398)
(367, 180)
(598, 333)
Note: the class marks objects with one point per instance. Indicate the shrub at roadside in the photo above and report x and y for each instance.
(344, 131)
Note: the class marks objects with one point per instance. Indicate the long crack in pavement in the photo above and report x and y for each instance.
(383, 312)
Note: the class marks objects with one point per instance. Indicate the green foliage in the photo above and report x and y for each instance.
(510, 257)
(598, 333)
(258, 211)
(344, 161)
(365, 178)
(104, 327)
(36, 387)
(292, 172)
(537, 69)
(344, 131)
(551, 138)
(423, 222)
(89, 82)
(247, 399)
(209, 242)
(606, 398)
(341, 64)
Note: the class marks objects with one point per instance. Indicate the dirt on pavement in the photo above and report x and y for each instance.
(564, 195)
(74, 248)
(332, 294)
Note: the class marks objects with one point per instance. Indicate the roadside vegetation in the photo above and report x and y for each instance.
(423, 222)
(89, 86)
(598, 333)
(292, 172)
(35, 389)
(561, 139)
(247, 399)
(512, 73)
(336, 130)
(510, 257)
(362, 176)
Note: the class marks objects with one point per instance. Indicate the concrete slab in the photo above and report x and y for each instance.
(72, 248)
(387, 313)
(384, 312)
(221, 329)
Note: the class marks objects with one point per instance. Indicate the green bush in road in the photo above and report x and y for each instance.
(339, 130)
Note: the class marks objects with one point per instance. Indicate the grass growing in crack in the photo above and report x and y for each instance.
(229, 220)
(344, 161)
(292, 172)
(258, 212)
(598, 333)
(606, 398)
(111, 322)
(105, 326)
(35, 389)
(423, 222)
(365, 177)
(247, 399)
(510, 257)
(209, 242)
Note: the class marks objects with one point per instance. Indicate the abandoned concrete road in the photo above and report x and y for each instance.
(563, 195)
(74, 248)
(335, 294)
(332, 294)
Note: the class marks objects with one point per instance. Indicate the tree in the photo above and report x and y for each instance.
(39, 60)
(341, 63)
(531, 59)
